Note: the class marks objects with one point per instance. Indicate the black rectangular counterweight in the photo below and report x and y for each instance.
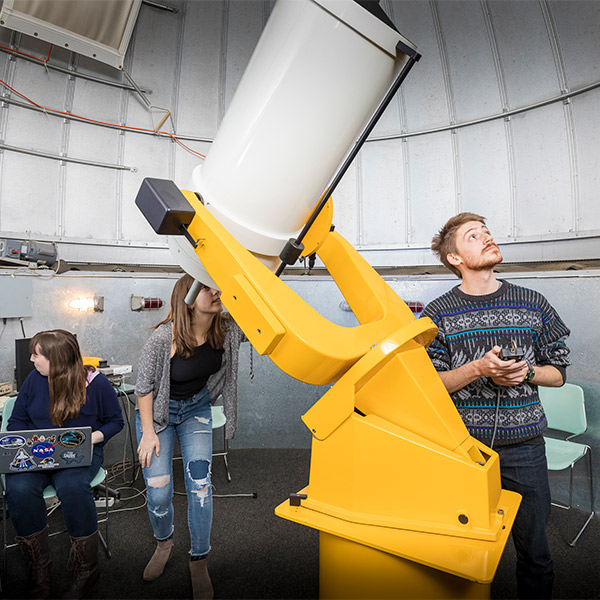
(164, 206)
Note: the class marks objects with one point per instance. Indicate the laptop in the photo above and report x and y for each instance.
(45, 449)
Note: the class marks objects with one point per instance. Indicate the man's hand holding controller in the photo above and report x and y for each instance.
(505, 366)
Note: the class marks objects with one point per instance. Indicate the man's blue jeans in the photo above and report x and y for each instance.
(27, 508)
(524, 470)
(191, 421)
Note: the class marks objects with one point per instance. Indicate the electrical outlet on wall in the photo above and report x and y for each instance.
(6, 388)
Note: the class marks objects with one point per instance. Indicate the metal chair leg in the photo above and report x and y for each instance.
(225, 451)
(589, 455)
(104, 544)
(224, 455)
(571, 485)
(4, 516)
(572, 544)
(104, 538)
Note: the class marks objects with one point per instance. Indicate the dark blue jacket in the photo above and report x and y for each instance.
(101, 410)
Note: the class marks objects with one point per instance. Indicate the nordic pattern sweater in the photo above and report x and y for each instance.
(470, 326)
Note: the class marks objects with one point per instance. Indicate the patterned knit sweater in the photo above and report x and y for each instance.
(469, 326)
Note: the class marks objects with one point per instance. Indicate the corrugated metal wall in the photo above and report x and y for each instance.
(534, 173)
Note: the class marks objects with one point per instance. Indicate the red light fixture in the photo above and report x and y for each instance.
(139, 303)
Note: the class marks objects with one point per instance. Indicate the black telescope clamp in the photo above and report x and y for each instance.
(169, 213)
(165, 208)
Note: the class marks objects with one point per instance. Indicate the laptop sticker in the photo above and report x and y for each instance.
(72, 456)
(43, 449)
(11, 442)
(71, 439)
(36, 439)
(22, 461)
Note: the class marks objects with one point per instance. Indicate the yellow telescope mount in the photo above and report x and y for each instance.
(408, 504)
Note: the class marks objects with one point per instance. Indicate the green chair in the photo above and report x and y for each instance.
(565, 412)
(50, 492)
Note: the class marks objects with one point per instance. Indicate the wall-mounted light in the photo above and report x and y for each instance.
(89, 304)
(139, 303)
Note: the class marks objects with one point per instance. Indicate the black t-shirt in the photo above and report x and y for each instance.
(189, 375)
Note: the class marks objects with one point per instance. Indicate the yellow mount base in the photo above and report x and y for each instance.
(366, 561)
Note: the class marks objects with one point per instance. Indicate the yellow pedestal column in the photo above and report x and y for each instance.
(352, 571)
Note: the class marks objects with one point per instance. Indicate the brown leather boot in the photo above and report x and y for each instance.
(202, 588)
(37, 550)
(83, 563)
(156, 565)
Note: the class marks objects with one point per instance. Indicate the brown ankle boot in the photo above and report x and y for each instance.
(37, 550)
(156, 565)
(83, 563)
(202, 588)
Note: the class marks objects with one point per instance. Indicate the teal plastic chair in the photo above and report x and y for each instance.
(565, 412)
(50, 492)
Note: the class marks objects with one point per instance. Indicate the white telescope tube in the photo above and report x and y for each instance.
(318, 73)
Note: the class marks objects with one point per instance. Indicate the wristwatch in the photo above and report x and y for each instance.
(530, 374)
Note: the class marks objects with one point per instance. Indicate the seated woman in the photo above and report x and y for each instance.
(61, 392)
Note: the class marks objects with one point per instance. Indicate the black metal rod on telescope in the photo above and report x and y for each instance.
(413, 57)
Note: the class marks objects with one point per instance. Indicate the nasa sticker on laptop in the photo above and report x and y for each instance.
(43, 449)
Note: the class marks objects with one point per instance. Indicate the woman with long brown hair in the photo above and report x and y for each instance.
(61, 392)
(189, 360)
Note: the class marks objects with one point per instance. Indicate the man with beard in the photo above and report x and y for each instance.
(482, 322)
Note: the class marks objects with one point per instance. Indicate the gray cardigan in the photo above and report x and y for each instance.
(154, 374)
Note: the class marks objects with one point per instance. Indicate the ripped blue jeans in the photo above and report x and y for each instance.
(190, 420)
